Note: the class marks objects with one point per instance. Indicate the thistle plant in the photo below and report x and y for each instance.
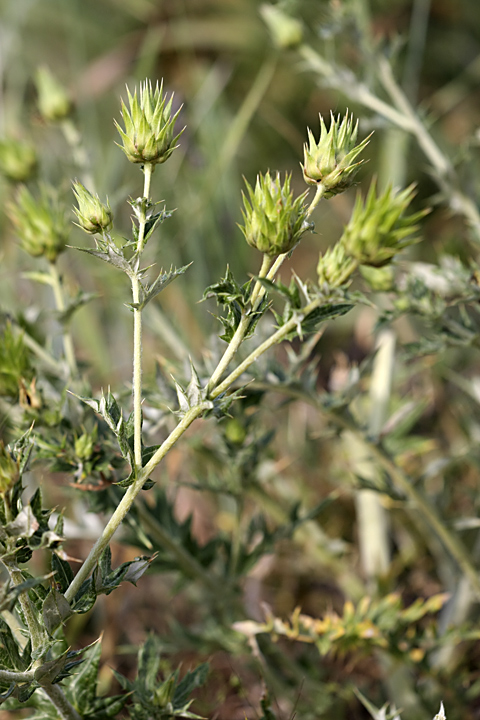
(109, 446)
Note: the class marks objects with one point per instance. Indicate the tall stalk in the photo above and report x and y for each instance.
(137, 322)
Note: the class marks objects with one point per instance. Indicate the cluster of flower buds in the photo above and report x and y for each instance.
(18, 160)
(377, 231)
(330, 161)
(274, 220)
(40, 223)
(53, 101)
(93, 216)
(148, 136)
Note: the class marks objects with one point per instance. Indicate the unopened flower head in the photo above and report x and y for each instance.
(273, 220)
(18, 160)
(378, 230)
(40, 223)
(286, 31)
(148, 136)
(53, 100)
(330, 161)
(335, 266)
(93, 216)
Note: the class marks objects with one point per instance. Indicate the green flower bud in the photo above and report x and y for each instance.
(9, 470)
(335, 266)
(377, 231)
(84, 446)
(330, 162)
(92, 215)
(149, 123)
(18, 160)
(53, 101)
(380, 279)
(41, 224)
(274, 221)
(287, 32)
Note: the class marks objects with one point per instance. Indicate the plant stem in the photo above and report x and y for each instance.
(58, 699)
(240, 332)
(274, 339)
(68, 348)
(16, 677)
(268, 270)
(128, 499)
(35, 631)
(437, 158)
(137, 324)
(371, 515)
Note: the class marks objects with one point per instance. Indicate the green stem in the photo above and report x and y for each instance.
(239, 336)
(137, 324)
(189, 417)
(16, 677)
(268, 270)
(58, 699)
(128, 499)
(68, 348)
(274, 339)
(35, 631)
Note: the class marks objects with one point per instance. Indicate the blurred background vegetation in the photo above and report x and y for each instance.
(246, 106)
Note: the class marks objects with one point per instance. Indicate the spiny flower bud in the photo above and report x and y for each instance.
(274, 221)
(330, 162)
(148, 135)
(92, 215)
(286, 31)
(335, 266)
(377, 231)
(53, 101)
(18, 160)
(41, 224)
(9, 470)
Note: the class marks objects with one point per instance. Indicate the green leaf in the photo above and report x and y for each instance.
(148, 292)
(10, 656)
(56, 609)
(192, 680)
(81, 299)
(110, 254)
(82, 688)
(63, 573)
